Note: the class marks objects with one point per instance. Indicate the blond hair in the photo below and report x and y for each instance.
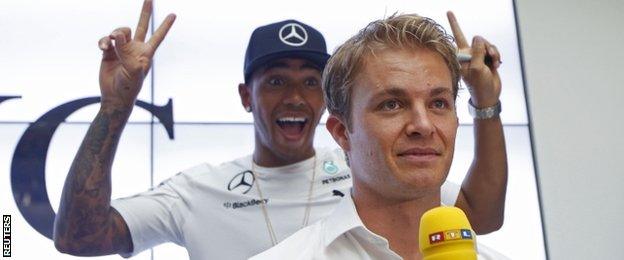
(396, 31)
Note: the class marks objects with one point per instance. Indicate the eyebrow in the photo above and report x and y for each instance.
(439, 91)
(399, 92)
(310, 65)
(394, 91)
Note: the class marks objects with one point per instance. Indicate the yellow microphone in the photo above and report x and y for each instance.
(446, 234)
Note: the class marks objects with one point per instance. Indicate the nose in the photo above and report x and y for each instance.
(293, 96)
(420, 123)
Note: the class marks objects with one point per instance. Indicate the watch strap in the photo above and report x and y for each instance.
(484, 113)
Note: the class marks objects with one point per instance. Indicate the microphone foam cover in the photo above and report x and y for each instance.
(446, 234)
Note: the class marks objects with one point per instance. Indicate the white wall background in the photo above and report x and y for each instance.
(574, 63)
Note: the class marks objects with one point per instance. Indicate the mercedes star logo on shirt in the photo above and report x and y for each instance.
(293, 34)
(242, 182)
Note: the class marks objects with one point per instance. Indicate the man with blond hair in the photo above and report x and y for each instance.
(391, 92)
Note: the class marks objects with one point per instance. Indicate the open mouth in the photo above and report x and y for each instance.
(292, 127)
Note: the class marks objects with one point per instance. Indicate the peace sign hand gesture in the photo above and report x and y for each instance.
(480, 73)
(126, 61)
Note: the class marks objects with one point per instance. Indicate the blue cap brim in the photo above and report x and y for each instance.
(318, 58)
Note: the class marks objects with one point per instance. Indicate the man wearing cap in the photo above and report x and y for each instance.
(236, 209)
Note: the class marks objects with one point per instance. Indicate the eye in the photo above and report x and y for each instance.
(390, 105)
(276, 81)
(311, 82)
(440, 104)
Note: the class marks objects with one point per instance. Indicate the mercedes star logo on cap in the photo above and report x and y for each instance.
(293, 34)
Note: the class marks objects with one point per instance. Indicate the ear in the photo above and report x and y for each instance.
(339, 132)
(245, 95)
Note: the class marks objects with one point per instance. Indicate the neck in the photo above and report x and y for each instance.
(266, 157)
(397, 220)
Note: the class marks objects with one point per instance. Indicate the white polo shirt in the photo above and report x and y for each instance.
(343, 236)
(215, 212)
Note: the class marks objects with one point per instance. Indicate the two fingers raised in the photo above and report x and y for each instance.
(123, 35)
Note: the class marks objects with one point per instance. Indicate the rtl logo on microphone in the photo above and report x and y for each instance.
(6, 236)
(448, 235)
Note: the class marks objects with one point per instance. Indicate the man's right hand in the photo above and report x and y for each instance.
(86, 224)
(126, 60)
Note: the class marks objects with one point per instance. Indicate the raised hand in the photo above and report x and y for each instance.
(483, 191)
(481, 77)
(86, 224)
(126, 60)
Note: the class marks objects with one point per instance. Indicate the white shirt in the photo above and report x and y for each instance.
(215, 212)
(342, 236)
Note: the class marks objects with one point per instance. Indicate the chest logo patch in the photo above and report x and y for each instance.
(242, 182)
(330, 168)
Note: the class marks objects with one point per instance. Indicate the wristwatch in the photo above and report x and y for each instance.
(484, 113)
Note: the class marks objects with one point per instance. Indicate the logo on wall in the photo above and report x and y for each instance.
(293, 34)
(28, 180)
(242, 182)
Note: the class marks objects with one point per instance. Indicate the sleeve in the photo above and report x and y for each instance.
(449, 192)
(153, 217)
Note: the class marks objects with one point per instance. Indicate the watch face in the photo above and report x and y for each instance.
(484, 113)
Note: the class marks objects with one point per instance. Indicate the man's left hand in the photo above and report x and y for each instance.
(480, 73)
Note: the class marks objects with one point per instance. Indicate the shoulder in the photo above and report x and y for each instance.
(208, 170)
(331, 153)
(203, 177)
